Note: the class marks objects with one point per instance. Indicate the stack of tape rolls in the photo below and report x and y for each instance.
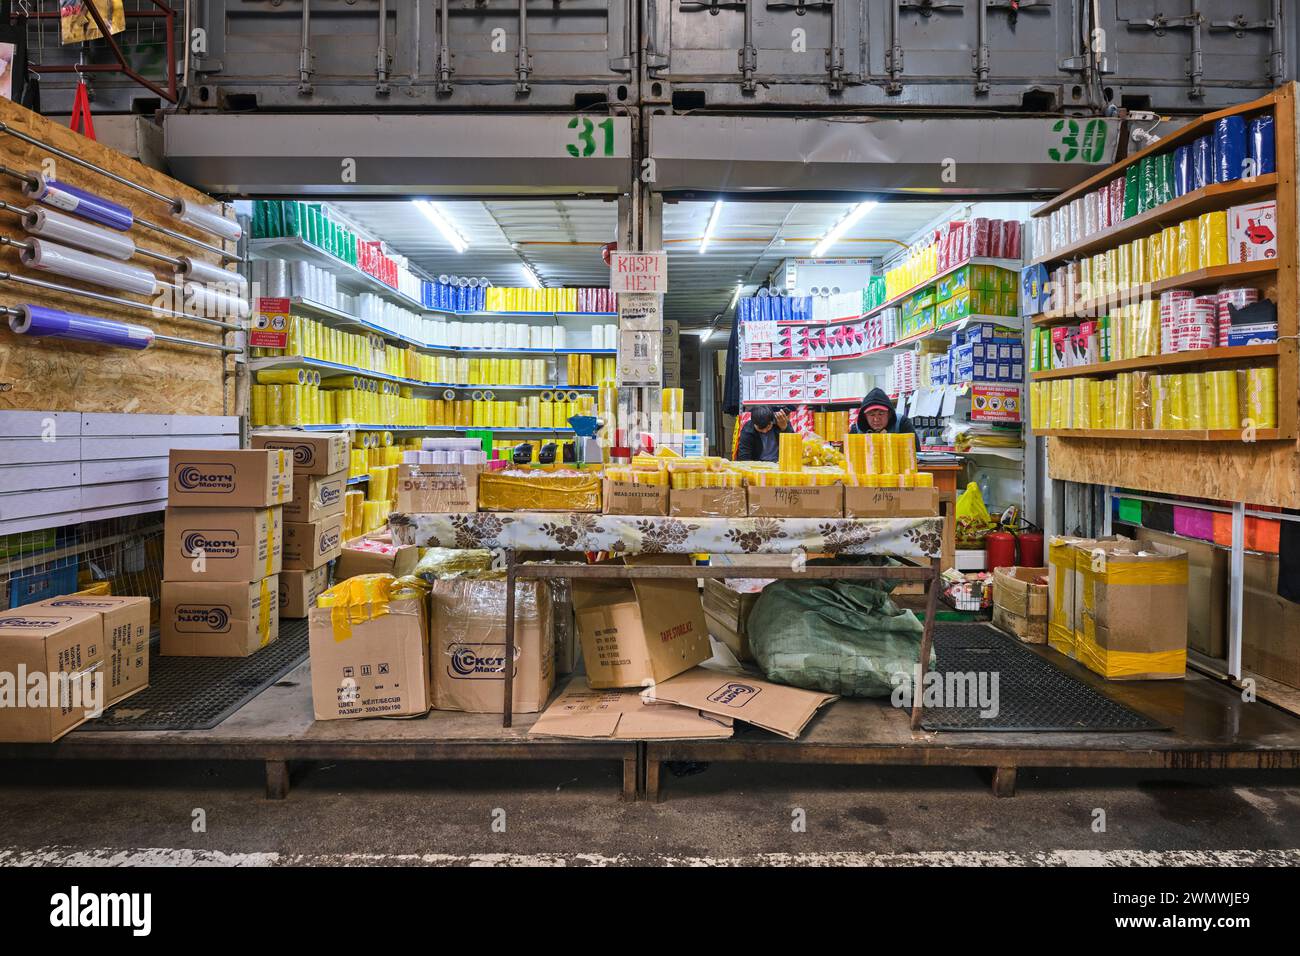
(1079, 402)
(1261, 396)
(1194, 392)
(1123, 402)
(790, 452)
(1213, 232)
(1189, 247)
(1228, 299)
(1221, 410)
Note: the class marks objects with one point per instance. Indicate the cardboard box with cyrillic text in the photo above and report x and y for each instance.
(233, 478)
(310, 544)
(640, 631)
(369, 660)
(219, 618)
(437, 489)
(299, 590)
(125, 622)
(632, 498)
(467, 636)
(222, 544)
(805, 501)
(314, 453)
(590, 714)
(55, 659)
(316, 497)
(890, 502)
(775, 707)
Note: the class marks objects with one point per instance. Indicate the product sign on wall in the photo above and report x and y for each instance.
(640, 338)
(270, 325)
(638, 271)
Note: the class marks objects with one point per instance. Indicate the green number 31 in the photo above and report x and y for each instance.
(586, 144)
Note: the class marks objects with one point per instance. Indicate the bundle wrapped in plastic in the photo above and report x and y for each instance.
(520, 490)
(441, 564)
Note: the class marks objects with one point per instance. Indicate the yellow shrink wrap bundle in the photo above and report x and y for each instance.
(1194, 400)
(1213, 229)
(1221, 400)
(790, 453)
(1261, 397)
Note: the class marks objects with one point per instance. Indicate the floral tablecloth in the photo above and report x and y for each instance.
(630, 534)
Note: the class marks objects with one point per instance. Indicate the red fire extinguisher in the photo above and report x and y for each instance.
(1000, 550)
(1031, 548)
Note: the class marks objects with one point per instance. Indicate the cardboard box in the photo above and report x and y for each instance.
(437, 489)
(378, 667)
(368, 556)
(314, 453)
(1067, 561)
(51, 643)
(236, 544)
(1135, 613)
(782, 710)
(1020, 605)
(639, 631)
(219, 618)
(630, 498)
(727, 604)
(300, 589)
(708, 502)
(582, 712)
(467, 636)
(125, 624)
(229, 478)
(316, 497)
(890, 502)
(1252, 232)
(1269, 624)
(1208, 575)
(310, 544)
(814, 501)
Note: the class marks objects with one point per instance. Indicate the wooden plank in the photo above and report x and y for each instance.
(1227, 354)
(81, 376)
(1168, 434)
(1184, 134)
(22, 478)
(1212, 197)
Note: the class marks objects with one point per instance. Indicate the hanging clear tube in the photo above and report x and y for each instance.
(72, 199)
(208, 219)
(75, 264)
(200, 271)
(56, 227)
(205, 300)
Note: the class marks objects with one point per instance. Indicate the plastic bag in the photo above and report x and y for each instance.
(839, 637)
(438, 564)
(973, 521)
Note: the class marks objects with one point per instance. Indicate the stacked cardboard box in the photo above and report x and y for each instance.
(55, 657)
(223, 545)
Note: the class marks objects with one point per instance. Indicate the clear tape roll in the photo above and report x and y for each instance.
(205, 300)
(75, 264)
(207, 219)
(56, 227)
(206, 272)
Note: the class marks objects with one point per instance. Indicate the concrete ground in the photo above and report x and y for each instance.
(568, 813)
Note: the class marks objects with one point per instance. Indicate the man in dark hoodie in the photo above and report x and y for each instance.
(758, 439)
(877, 414)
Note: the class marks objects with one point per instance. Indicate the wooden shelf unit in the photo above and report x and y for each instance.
(1215, 464)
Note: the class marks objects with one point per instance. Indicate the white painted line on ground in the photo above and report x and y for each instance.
(162, 856)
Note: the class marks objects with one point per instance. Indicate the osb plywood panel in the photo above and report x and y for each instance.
(1266, 473)
(62, 375)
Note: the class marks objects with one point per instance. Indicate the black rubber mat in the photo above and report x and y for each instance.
(197, 693)
(1033, 694)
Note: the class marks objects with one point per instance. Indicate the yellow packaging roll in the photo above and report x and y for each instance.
(283, 376)
(1194, 398)
(1147, 328)
(1120, 267)
(882, 455)
(904, 452)
(274, 399)
(1139, 268)
(1122, 402)
(291, 404)
(924, 479)
(584, 370)
(1082, 407)
(1169, 249)
(1221, 400)
(1213, 238)
(888, 479)
(857, 452)
(790, 454)
(257, 406)
(1094, 404)
(1261, 397)
(1155, 256)
(571, 369)
(545, 417)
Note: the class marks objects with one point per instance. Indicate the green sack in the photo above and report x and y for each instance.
(839, 637)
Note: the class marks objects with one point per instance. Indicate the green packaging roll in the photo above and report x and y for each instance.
(292, 223)
(259, 218)
(1148, 186)
(1166, 162)
(1132, 186)
(313, 225)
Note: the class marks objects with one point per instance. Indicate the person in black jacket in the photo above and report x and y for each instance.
(877, 414)
(758, 441)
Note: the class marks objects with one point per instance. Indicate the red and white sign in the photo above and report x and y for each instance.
(270, 329)
(994, 403)
(638, 271)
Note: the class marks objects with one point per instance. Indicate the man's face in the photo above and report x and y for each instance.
(764, 429)
(877, 419)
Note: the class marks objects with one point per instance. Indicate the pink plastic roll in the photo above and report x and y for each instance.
(75, 264)
(56, 227)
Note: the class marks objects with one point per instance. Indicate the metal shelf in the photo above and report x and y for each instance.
(302, 361)
(1197, 357)
(300, 250)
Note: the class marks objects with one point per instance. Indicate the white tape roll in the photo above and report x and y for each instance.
(56, 227)
(76, 264)
(207, 219)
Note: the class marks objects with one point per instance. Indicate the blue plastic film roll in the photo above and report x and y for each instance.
(1182, 170)
(1202, 174)
(1261, 145)
(79, 202)
(1228, 148)
(40, 321)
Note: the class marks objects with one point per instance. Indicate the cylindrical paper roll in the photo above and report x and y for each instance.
(40, 321)
(56, 227)
(79, 201)
(207, 219)
(75, 264)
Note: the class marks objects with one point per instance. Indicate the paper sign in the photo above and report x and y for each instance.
(270, 328)
(994, 403)
(639, 357)
(641, 311)
(638, 271)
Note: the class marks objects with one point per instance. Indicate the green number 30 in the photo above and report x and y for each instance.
(1094, 141)
(586, 145)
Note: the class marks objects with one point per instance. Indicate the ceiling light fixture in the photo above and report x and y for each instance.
(736, 296)
(533, 279)
(713, 222)
(443, 224)
(844, 225)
